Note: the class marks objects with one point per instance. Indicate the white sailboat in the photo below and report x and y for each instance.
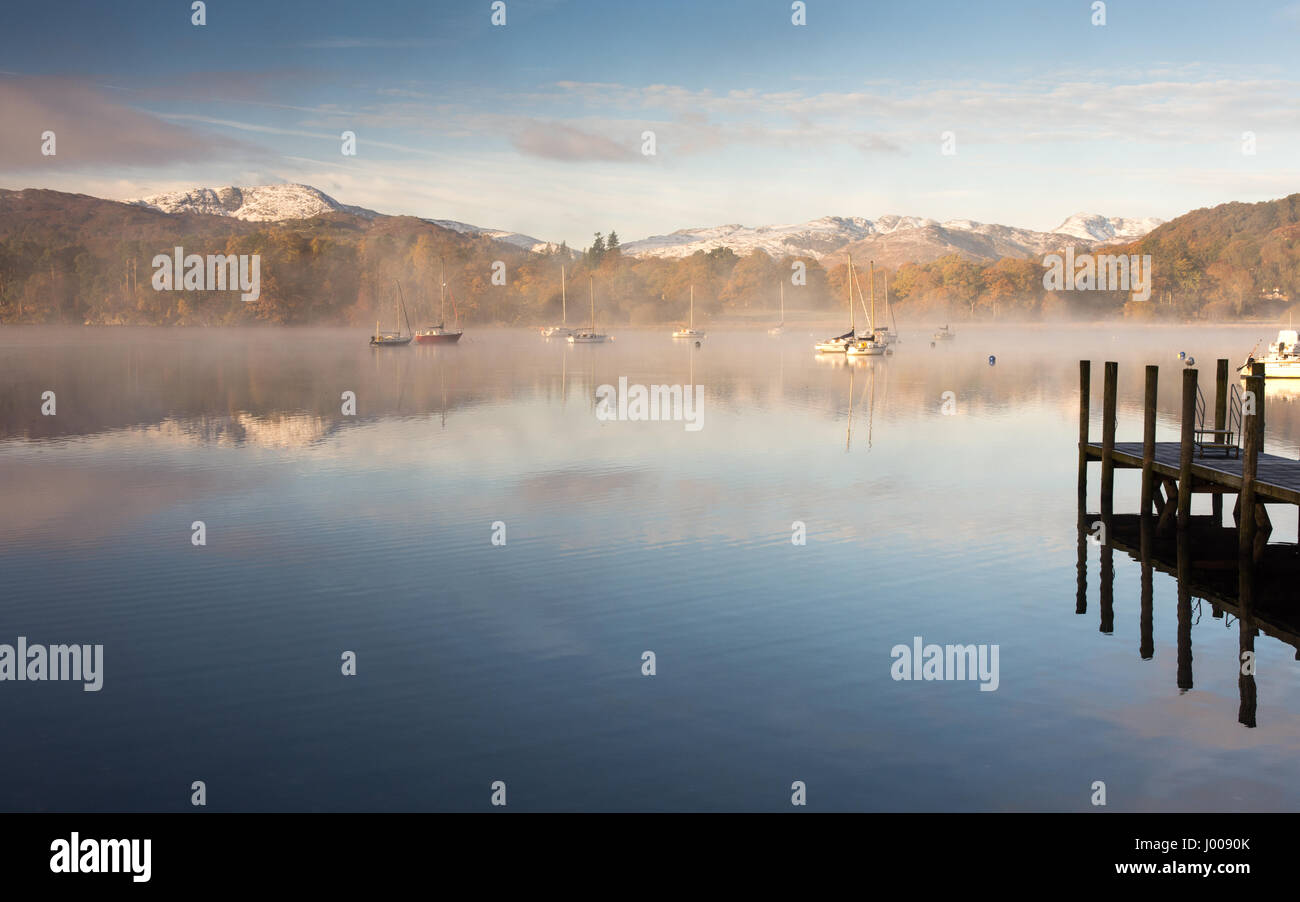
(563, 329)
(588, 336)
(690, 331)
(871, 345)
(779, 328)
(890, 330)
(837, 344)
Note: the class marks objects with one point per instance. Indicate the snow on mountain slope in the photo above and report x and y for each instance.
(891, 238)
(274, 203)
(527, 242)
(1092, 227)
(263, 203)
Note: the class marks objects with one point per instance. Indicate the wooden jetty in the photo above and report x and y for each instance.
(1234, 568)
(1206, 459)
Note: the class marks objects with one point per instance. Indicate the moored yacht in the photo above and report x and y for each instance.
(588, 336)
(690, 331)
(563, 329)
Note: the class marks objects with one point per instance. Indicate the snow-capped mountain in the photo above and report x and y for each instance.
(892, 239)
(263, 203)
(527, 242)
(1091, 227)
(275, 203)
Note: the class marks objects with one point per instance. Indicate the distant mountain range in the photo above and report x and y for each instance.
(893, 240)
(889, 240)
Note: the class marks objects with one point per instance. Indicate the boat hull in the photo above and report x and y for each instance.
(446, 338)
(687, 334)
(390, 342)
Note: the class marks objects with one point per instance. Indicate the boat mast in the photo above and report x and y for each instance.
(591, 286)
(782, 284)
(401, 300)
(564, 304)
(692, 307)
(442, 295)
(853, 328)
(871, 290)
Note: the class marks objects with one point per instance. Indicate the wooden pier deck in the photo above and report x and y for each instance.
(1277, 479)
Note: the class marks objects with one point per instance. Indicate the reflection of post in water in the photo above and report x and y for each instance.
(1107, 578)
(1184, 610)
(1246, 681)
(1147, 642)
(1081, 567)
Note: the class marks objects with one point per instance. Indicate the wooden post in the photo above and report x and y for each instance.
(1185, 450)
(1108, 438)
(1149, 439)
(1257, 370)
(1246, 499)
(1220, 422)
(1085, 386)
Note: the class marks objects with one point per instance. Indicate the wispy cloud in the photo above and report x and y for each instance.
(555, 141)
(91, 129)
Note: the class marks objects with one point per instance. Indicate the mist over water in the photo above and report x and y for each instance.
(522, 663)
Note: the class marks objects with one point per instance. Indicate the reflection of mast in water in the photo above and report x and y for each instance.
(871, 410)
(848, 437)
(871, 407)
(442, 378)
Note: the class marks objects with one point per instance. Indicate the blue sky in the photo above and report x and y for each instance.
(536, 126)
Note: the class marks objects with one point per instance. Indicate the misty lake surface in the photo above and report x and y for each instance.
(522, 662)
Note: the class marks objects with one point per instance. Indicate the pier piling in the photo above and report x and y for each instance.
(1109, 389)
(1220, 423)
(1185, 449)
(1149, 438)
(1085, 386)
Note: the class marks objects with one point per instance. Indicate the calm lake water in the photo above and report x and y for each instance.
(522, 662)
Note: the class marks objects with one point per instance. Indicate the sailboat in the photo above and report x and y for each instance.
(779, 328)
(691, 331)
(588, 336)
(393, 339)
(872, 345)
(890, 332)
(430, 335)
(837, 344)
(563, 328)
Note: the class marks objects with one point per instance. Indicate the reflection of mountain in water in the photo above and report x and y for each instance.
(273, 431)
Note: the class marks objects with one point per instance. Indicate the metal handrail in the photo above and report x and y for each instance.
(1234, 411)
